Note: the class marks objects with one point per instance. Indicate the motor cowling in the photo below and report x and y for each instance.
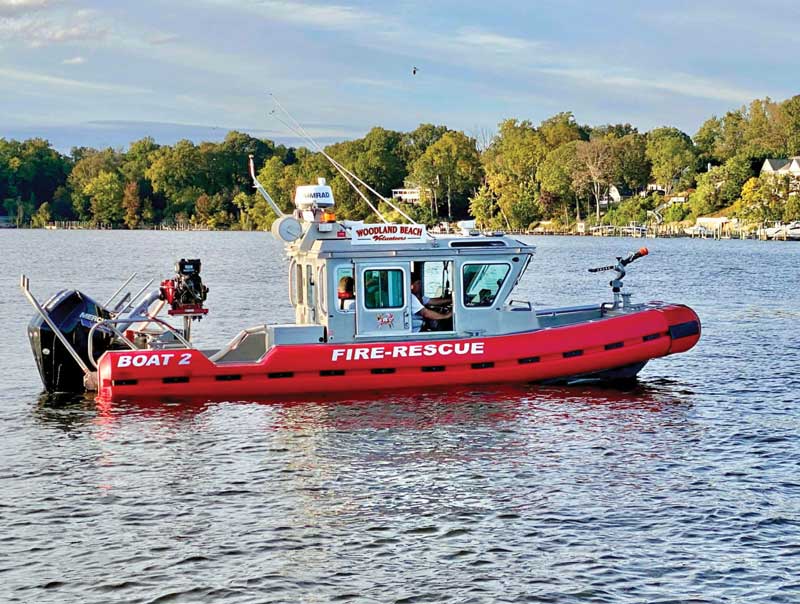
(74, 313)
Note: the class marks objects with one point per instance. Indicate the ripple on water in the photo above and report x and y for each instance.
(683, 489)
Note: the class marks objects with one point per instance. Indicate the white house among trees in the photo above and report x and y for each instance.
(790, 166)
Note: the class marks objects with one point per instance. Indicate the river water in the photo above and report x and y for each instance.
(683, 489)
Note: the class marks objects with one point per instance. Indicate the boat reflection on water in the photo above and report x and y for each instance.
(409, 410)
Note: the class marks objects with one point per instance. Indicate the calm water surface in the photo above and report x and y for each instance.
(684, 489)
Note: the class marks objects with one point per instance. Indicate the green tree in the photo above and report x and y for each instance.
(380, 161)
(760, 201)
(763, 134)
(721, 186)
(613, 131)
(483, 208)
(672, 155)
(706, 140)
(105, 193)
(416, 142)
(61, 206)
(232, 158)
(791, 210)
(789, 124)
(631, 165)
(137, 160)
(91, 164)
(676, 212)
(174, 173)
(555, 175)
(42, 216)
(731, 140)
(560, 129)
(451, 168)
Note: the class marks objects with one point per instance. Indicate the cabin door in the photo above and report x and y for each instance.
(382, 298)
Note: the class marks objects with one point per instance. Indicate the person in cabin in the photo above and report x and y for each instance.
(347, 297)
(422, 316)
(416, 289)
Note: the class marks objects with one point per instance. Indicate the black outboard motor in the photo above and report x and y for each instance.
(74, 314)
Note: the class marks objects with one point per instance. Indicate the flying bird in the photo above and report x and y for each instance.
(414, 71)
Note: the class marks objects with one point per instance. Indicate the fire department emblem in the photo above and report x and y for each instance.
(385, 320)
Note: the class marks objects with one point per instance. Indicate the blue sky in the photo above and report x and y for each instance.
(99, 73)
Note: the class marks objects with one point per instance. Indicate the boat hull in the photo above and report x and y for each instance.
(618, 346)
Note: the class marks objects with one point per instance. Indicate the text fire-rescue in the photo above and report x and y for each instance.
(365, 353)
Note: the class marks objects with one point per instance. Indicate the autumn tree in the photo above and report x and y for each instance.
(595, 167)
(132, 205)
(760, 201)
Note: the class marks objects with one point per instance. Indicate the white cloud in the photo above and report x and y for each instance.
(159, 39)
(675, 83)
(18, 7)
(321, 16)
(74, 61)
(37, 31)
(487, 41)
(373, 83)
(318, 15)
(59, 82)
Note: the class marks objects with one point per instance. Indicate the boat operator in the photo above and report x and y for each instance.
(419, 311)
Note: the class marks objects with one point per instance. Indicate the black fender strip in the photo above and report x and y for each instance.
(684, 330)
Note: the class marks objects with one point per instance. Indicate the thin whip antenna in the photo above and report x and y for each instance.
(344, 172)
(299, 128)
(342, 169)
(350, 182)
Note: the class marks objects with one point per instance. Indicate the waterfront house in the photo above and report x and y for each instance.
(410, 195)
(615, 194)
(789, 166)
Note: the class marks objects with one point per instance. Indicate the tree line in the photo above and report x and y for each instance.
(558, 170)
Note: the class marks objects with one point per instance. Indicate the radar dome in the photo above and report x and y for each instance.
(308, 197)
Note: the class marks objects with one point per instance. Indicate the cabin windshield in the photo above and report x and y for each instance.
(436, 279)
(483, 281)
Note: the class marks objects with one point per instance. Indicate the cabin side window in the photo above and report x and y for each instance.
(310, 284)
(383, 288)
(322, 302)
(298, 283)
(482, 282)
(345, 288)
(293, 275)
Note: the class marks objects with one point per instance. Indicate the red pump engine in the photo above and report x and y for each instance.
(185, 293)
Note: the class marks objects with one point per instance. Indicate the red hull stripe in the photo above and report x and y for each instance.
(330, 368)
